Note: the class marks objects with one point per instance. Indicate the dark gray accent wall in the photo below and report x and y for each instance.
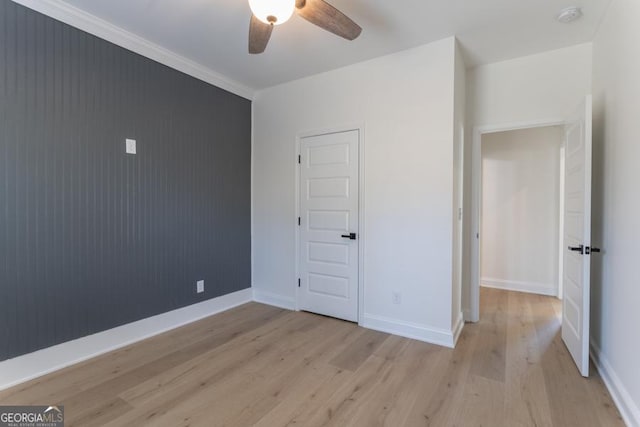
(91, 237)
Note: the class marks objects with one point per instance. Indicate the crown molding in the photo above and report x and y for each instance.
(98, 27)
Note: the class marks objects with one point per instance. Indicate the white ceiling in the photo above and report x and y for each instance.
(213, 33)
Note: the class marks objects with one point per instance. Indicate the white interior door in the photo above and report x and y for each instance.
(577, 237)
(329, 225)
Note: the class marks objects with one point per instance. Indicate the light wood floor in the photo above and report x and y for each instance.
(259, 365)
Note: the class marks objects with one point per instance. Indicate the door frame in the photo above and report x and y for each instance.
(361, 223)
(472, 313)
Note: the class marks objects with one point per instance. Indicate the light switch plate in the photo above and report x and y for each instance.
(200, 286)
(131, 146)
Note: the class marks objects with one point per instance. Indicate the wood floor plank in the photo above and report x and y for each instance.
(263, 366)
(101, 369)
(526, 399)
(307, 399)
(360, 350)
(131, 379)
(223, 383)
(191, 393)
(565, 387)
(482, 404)
(158, 396)
(441, 394)
(394, 347)
(97, 415)
(604, 408)
(298, 407)
(264, 386)
(302, 367)
(344, 403)
(490, 356)
(397, 392)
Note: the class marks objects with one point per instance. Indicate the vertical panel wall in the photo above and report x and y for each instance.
(91, 237)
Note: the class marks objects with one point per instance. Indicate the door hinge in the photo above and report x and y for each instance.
(298, 282)
(299, 159)
(298, 221)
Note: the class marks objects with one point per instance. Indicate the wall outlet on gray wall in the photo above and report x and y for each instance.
(200, 286)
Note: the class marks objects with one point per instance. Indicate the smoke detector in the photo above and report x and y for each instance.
(569, 14)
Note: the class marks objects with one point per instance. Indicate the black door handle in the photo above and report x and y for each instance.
(577, 249)
(351, 236)
(592, 250)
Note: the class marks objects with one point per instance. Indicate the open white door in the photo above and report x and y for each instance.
(329, 173)
(577, 237)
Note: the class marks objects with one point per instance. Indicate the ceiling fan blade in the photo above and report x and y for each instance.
(329, 18)
(259, 34)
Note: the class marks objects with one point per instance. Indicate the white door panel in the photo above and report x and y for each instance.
(577, 237)
(329, 174)
(328, 220)
(325, 285)
(329, 155)
(327, 188)
(329, 253)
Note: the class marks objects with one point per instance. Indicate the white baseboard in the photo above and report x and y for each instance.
(627, 407)
(414, 331)
(520, 286)
(274, 299)
(392, 326)
(29, 366)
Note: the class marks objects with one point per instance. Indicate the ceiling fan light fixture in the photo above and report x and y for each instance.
(273, 12)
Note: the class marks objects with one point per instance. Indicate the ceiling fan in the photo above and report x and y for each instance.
(269, 13)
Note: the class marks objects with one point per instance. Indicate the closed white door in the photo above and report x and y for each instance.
(577, 237)
(329, 225)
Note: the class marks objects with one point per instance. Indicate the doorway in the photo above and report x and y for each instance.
(473, 313)
(329, 224)
(575, 231)
(521, 212)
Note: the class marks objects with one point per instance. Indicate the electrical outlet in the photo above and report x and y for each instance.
(397, 297)
(200, 286)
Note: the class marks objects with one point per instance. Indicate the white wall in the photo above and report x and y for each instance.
(616, 205)
(405, 102)
(520, 209)
(535, 88)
